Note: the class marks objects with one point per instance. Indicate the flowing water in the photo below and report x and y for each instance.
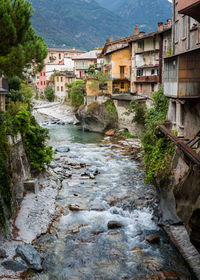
(79, 245)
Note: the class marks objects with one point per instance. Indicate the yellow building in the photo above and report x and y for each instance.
(61, 83)
(117, 64)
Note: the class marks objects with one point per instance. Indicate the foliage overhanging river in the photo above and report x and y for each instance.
(79, 245)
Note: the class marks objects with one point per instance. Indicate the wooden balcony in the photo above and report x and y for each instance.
(147, 79)
(190, 8)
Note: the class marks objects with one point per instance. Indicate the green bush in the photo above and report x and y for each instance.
(111, 109)
(33, 135)
(76, 94)
(49, 94)
(138, 109)
(127, 134)
(158, 151)
(5, 177)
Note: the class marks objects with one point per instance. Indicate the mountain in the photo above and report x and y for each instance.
(145, 13)
(76, 23)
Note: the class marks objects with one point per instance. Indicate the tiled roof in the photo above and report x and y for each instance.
(88, 55)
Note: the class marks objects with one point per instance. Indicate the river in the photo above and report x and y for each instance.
(105, 214)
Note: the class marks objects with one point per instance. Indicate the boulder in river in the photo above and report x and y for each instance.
(62, 149)
(98, 117)
(2, 254)
(114, 225)
(28, 253)
(14, 266)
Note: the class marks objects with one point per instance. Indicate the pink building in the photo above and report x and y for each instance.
(41, 84)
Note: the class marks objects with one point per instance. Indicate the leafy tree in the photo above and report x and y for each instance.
(91, 70)
(76, 93)
(49, 94)
(20, 47)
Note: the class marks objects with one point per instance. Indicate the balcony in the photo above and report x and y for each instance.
(121, 76)
(190, 8)
(147, 79)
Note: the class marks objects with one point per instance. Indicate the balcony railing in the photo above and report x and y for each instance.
(147, 79)
(121, 76)
(190, 8)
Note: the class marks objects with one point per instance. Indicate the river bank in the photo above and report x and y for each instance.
(93, 215)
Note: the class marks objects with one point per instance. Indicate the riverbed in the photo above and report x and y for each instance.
(104, 226)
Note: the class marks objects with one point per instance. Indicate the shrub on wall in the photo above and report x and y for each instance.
(158, 151)
(49, 94)
(76, 94)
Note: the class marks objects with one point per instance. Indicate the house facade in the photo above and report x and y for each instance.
(57, 60)
(61, 83)
(82, 63)
(147, 55)
(117, 63)
(182, 70)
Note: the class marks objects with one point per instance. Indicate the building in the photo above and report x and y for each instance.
(41, 79)
(61, 83)
(83, 62)
(3, 92)
(117, 63)
(148, 51)
(56, 60)
(182, 69)
(61, 56)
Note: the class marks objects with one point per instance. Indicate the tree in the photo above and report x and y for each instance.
(76, 94)
(20, 47)
(49, 94)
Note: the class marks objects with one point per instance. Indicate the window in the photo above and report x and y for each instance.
(57, 88)
(152, 87)
(59, 55)
(141, 45)
(139, 72)
(176, 32)
(122, 69)
(152, 72)
(122, 85)
(61, 88)
(57, 79)
(44, 83)
(165, 45)
(183, 27)
(41, 83)
(174, 111)
(44, 74)
(70, 80)
(61, 79)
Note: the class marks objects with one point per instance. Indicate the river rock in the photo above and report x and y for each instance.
(74, 207)
(14, 266)
(114, 225)
(63, 149)
(2, 254)
(110, 132)
(30, 256)
(164, 275)
(153, 239)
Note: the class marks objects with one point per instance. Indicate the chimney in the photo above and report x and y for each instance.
(169, 23)
(136, 30)
(160, 26)
(111, 39)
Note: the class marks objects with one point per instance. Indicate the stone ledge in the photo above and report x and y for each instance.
(179, 236)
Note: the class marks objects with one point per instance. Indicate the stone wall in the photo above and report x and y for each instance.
(125, 122)
(20, 167)
(180, 196)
